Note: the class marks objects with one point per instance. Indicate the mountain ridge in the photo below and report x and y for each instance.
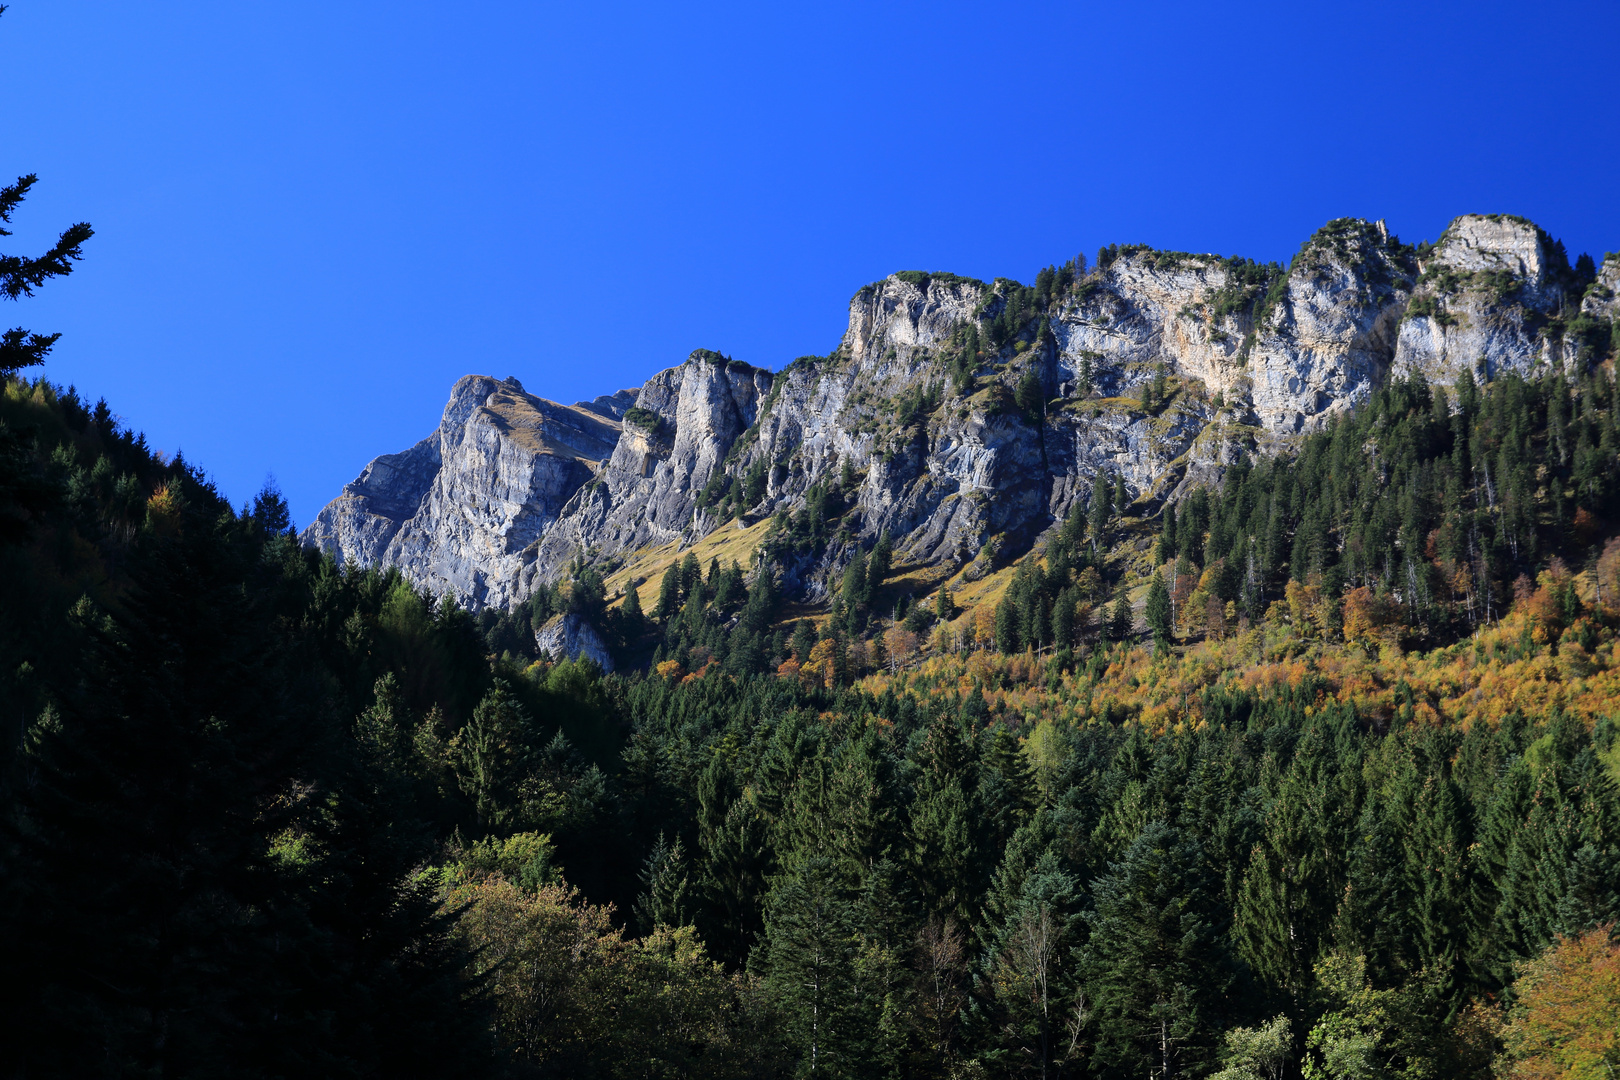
(970, 416)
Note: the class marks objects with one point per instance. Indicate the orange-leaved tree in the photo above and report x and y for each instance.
(1566, 1023)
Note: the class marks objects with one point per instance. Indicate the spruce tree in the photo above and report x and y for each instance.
(1155, 971)
(1158, 611)
(1121, 627)
(1289, 893)
(669, 594)
(809, 962)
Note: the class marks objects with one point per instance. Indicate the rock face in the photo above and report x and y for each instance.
(1486, 301)
(461, 510)
(569, 635)
(1602, 300)
(967, 417)
(673, 443)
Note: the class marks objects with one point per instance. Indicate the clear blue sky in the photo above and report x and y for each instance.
(311, 218)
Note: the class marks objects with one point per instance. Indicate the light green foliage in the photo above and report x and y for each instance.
(1257, 1053)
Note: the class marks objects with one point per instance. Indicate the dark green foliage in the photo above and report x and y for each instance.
(1120, 625)
(20, 275)
(201, 867)
(219, 824)
(918, 402)
(645, 419)
(1435, 498)
(1156, 960)
(229, 758)
(1039, 607)
(965, 358)
(1030, 396)
(1158, 610)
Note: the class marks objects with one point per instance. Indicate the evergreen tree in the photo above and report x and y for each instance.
(1030, 395)
(669, 594)
(20, 275)
(1121, 626)
(1158, 611)
(1102, 509)
(1295, 876)
(665, 887)
(1155, 970)
(809, 960)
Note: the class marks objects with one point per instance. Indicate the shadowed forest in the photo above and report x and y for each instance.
(1342, 802)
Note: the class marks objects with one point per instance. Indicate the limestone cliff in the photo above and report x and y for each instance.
(966, 417)
(1483, 301)
(460, 511)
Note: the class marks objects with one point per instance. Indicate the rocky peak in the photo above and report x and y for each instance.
(908, 310)
(456, 511)
(1494, 243)
(1327, 337)
(673, 442)
(1602, 299)
(1488, 291)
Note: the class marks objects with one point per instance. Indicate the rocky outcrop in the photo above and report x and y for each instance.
(459, 512)
(1329, 338)
(569, 637)
(1602, 299)
(1484, 299)
(674, 441)
(964, 417)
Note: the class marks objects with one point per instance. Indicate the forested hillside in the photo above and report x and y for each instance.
(1311, 769)
(1324, 801)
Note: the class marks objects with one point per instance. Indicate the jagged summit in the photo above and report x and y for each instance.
(964, 417)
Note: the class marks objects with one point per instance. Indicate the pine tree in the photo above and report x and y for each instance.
(1102, 509)
(945, 848)
(666, 887)
(1121, 627)
(735, 860)
(669, 594)
(1164, 549)
(1033, 924)
(1063, 612)
(1030, 396)
(1286, 904)
(804, 639)
(1438, 883)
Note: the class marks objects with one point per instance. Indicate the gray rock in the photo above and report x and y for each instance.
(1602, 299)
(569, 637)
(460, 512)
(1485, 292)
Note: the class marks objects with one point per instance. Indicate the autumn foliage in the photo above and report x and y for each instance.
(1566, 1023)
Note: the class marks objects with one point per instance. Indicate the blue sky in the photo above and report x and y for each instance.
(313, 217)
